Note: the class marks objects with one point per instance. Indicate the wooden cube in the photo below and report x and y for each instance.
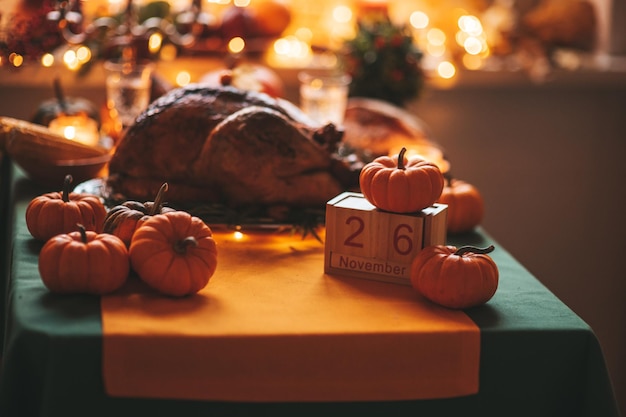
(365, 242)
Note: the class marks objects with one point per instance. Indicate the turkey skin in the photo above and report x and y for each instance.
(229, 146)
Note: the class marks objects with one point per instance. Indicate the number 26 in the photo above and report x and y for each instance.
(402, 242)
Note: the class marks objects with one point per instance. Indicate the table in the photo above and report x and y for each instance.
(5, 231)
(537, 356)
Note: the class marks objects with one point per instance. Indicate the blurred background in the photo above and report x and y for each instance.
(527, 99)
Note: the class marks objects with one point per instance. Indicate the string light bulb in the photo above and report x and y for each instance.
(236, 45)
(446, 70)
(419, 20)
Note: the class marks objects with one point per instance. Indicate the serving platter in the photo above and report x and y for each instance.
(298, 220)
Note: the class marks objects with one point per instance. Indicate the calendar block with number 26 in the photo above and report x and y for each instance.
(365, 242)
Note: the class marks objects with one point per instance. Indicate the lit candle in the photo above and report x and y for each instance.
(79, 128)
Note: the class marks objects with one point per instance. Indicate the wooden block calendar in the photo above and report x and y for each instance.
(365, 242)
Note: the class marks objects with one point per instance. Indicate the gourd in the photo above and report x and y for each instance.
(50, 109)
(401, 185)
(54, 213)
(455, 278)
(122, 220)
(465, 206)
(174, 253)
(248, 76)
(84, 262)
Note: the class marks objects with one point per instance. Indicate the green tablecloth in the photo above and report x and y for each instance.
(6, 173)
(538, 358)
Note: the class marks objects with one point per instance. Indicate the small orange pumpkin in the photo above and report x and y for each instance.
(54, 213)
(124, 219)
(399, 185)
(465, 206)
(174, 253)
(84, 262)
(455, 278)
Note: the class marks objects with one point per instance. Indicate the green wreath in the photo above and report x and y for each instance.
(384, 62)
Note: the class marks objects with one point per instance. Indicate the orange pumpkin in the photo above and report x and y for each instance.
(465, 206)
(84, 262)
(174, 253)
(399, 185)
(124, 219)
(54, 213)
(455, 278)
(252, 77)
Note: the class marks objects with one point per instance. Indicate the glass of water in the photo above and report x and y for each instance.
(324, 95)
(128, 87)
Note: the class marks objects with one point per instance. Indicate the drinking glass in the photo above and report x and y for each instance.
(128, 87)
(324, 95)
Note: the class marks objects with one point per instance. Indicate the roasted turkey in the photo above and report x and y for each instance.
(224, 145)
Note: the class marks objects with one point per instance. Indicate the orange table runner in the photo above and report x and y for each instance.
(271, 326)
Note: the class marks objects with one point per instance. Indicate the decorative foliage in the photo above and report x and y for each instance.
(29, 33)
(298, 220)
(384, 62)
(33, 32)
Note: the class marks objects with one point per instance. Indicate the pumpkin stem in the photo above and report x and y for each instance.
(180, 246)
(472, 249)
(58, 92)
(158, 201)
(83, 232)
(65, 194)
(401, 158)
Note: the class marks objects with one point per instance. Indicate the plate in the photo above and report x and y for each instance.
(259, 218)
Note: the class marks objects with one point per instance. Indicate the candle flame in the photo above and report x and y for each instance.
(69, 132)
